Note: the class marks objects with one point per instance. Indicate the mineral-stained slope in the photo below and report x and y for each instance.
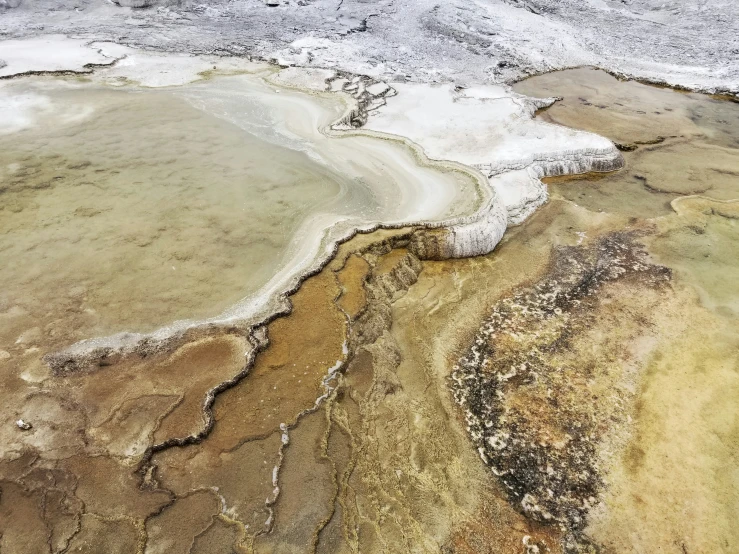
(343, 434)
(179, 438)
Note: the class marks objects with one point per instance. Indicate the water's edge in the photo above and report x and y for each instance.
(466, 236)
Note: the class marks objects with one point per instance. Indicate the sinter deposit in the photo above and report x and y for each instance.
(332, 306)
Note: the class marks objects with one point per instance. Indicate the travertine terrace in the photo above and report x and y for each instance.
(317, 276)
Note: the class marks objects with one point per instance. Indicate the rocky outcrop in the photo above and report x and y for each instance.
(562, 162)
(384, 284)
(520, 184)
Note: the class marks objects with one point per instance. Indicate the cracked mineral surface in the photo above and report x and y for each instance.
(690, 43)
(322, 339)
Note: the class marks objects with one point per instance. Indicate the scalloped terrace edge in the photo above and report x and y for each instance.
(466, 236)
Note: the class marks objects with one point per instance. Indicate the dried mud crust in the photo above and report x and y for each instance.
(536, 403)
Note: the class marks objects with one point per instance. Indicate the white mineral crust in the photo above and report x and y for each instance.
(691, 43)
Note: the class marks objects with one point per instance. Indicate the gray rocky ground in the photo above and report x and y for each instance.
(688, 43)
